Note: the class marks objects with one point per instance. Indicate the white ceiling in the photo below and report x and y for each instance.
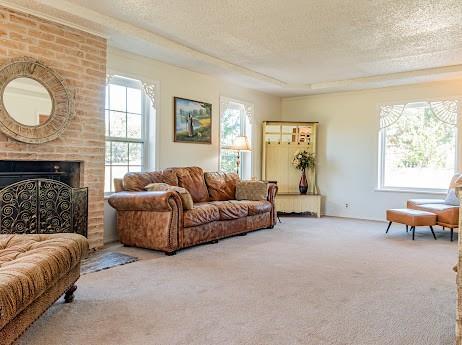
(286, 47)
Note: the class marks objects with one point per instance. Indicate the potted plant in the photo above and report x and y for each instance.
(303, 160)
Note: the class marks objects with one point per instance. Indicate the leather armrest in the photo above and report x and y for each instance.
(272, 191)
(163, 201)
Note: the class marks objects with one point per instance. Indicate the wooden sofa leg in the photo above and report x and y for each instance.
(452, 234)
(69, 294)
(170, 253)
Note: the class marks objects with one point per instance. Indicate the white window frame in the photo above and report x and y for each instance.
(145, 113)
(249, 113)
(381, 187)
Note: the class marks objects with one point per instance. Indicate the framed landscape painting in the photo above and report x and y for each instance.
(193, 121)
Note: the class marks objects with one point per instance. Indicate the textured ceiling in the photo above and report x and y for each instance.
(292, 46)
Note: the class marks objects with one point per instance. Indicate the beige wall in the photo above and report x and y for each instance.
(348, 144)
(175, 81)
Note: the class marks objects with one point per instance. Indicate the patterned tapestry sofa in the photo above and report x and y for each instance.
(35, 270)
(157, 220)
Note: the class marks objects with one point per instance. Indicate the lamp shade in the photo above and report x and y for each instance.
(240, 143)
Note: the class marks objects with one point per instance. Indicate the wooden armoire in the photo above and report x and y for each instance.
(281, 140)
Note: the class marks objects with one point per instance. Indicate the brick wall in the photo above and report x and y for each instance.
(80, 59)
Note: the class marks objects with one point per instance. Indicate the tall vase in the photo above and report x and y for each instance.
(303, 184)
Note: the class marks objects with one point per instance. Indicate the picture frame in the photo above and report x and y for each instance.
(192, 121)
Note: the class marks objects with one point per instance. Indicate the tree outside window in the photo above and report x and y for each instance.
(234, 122)
(125, 130)
(418, 149)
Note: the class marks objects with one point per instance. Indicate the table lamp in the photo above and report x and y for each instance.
(240, 144)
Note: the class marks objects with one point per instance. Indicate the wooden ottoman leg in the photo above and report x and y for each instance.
(69, 294)
(388, 228)
(452, 234)
(413, 232)
(407, 228)
(431, 228)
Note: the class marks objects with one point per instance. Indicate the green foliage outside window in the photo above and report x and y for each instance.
(420, 140)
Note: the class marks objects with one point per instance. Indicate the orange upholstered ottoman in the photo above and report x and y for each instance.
(411, 218)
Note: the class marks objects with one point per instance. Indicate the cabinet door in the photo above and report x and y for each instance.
(293, 174)
(277, 165)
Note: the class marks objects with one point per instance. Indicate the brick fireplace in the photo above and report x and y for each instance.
(80, 59)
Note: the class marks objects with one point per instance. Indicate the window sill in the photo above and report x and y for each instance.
(412, 191)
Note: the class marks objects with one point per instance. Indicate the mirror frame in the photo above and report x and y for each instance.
(62, 100)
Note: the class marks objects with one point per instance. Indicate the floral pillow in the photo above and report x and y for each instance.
(251, 190)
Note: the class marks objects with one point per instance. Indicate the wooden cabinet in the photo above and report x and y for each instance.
(299, 203)
(281, 140)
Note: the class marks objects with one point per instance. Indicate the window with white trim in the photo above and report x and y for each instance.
(235, 120)
(126, 111)
(418, 143)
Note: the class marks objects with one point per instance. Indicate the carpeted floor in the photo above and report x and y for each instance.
(308, 281)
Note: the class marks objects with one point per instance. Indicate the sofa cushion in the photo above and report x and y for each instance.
(231, 209)
(258, 207)
(137, 181)
(447, 214)
(411, 217)
(192, 178)
(251, 190)
(221, 185)
(412, 203)
(186, 199)
(30, 264)
(201, 213)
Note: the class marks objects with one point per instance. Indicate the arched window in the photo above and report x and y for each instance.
(235, 121)
(130, 113)
(418, 145)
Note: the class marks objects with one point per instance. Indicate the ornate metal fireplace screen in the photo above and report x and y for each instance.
(43, 206)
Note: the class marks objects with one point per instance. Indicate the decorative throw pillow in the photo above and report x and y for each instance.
(186, 198)
(251, 190)
(451, 198)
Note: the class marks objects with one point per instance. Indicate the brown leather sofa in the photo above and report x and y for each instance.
(156, 220)
(447, 215)
(35, 270)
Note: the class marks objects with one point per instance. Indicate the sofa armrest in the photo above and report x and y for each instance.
(163, 201)
(272, 191)
(151, 220)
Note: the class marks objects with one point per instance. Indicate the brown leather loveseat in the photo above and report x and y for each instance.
(156, 220)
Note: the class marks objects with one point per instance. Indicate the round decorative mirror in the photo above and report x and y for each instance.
(27, 101)
(35, 104)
